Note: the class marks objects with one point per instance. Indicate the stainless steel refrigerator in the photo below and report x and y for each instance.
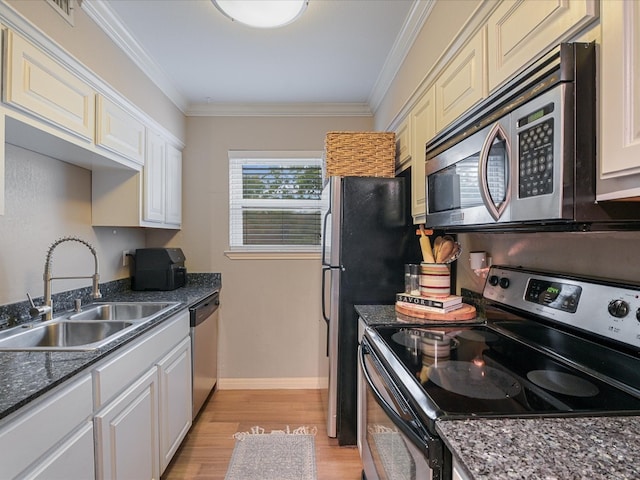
(367, 238)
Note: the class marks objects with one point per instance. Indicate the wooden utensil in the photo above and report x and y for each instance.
(437, 243)
(425, 246)
(445, 250)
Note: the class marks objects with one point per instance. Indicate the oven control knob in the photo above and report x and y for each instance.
(618, 308)
(504, 282)
(493, 280)
(638, 314)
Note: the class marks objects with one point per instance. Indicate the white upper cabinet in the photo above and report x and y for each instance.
(423, 128)
(619, 102)
(39, 85)
(173, 186)
(519, 30)
(162, 182)
(462, 83)
(119, 131)
(155, 179)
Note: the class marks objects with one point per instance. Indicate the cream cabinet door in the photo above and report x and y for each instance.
(463, 83)
(173, 186)
(519, 30)
(36, 83)
(403, 145)
(174, 374)
(119, 131)
(423, 128)
(620, 101)
(127, 433)
(154, 179)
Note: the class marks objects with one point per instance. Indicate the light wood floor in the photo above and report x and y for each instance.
(207, 449)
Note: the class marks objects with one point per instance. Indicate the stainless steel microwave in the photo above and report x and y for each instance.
(526, 155)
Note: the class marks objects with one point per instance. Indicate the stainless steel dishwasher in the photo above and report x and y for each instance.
(204, 348)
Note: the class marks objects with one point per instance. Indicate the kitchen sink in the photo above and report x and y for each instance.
(120, 311)
(89, 329)
(63, 335)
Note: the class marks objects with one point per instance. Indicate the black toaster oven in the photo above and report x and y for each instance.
(158, 269)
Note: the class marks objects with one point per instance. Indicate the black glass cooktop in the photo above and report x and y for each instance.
(514, 368)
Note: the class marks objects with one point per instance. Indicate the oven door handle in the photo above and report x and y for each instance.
(430, 445)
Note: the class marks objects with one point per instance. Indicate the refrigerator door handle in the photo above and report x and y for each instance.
(324, 296)
(324, 237)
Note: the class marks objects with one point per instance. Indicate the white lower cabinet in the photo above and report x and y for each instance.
(71, 460)
(124, 418)
(143, 397)
(174, 381)
(27, 450)
(127, 433)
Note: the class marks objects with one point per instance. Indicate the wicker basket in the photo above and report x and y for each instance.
(360, 154)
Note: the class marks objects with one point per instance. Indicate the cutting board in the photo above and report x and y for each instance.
(466, 312)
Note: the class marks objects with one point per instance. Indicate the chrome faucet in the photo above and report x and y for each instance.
(47, 309)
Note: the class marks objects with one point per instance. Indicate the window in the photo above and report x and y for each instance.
(275, 201)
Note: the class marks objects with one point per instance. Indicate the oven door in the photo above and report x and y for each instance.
(470, 182)
(394, 443)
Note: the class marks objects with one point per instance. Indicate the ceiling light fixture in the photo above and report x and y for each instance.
(262, 13)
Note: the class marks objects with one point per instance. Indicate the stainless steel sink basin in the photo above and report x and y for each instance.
(120, 311)
(89, 329)
(63, 335)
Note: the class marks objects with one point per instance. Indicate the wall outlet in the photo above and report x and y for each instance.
(125, 258)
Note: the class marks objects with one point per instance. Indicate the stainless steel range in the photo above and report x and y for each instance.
(552, 345)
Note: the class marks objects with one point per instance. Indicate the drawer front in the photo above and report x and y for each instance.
(27, 436)
(110, 377)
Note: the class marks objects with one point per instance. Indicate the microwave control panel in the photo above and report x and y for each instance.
(535, 153)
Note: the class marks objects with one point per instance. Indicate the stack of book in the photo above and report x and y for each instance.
(429, 304)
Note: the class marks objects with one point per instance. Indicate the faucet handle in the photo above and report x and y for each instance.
(35, 311)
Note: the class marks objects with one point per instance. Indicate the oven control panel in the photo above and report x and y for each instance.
(606, 308)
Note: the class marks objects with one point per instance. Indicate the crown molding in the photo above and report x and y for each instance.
(110, 23)
(410, 30)
(279, 110)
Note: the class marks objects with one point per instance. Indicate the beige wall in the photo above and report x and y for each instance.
(270, 327)
(46, 199)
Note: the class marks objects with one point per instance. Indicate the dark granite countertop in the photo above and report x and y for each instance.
(24, 376)
(593, 448)
(589, 448)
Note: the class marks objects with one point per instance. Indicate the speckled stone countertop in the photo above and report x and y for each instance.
(589, 448)
(585, 448)
(377, 314)
(24, 376)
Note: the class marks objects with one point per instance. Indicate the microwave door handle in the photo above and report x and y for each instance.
(497, 131)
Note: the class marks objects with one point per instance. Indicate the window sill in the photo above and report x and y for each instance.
(239, 255)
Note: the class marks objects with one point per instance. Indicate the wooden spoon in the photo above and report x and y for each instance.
(425, 246)
(445, 250)
(437, 244)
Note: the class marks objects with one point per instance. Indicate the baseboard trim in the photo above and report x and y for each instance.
(294, 383)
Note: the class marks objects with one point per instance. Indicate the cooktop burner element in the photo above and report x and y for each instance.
(563, 383)
(474, 380)
(551, 345)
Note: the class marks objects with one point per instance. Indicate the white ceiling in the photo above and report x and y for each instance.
(342, 53)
